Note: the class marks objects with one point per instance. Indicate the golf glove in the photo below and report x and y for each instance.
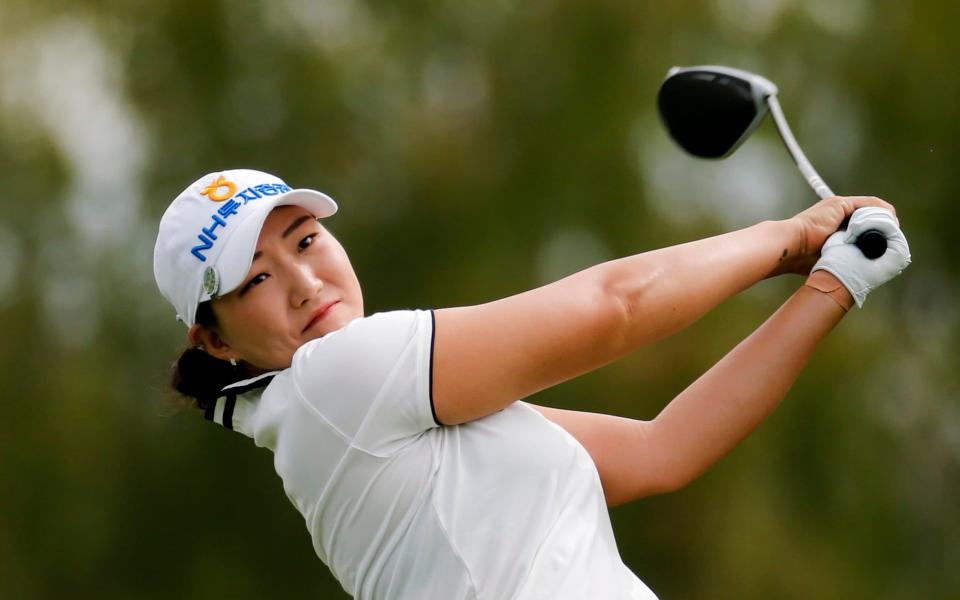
(846, 262)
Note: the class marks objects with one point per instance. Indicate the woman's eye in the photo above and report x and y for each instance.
(306, 242)
(258, 279)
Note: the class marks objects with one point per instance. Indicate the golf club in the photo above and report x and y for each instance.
(710, 110)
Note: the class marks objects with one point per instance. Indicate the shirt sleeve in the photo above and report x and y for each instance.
(371, 380)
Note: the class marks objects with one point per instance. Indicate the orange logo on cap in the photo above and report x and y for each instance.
(213, 192)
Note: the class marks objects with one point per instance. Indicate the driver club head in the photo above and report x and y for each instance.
(710, 110)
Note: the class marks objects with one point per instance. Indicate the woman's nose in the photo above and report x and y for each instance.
(305, 285)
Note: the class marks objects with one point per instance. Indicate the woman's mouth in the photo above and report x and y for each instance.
(320, 314)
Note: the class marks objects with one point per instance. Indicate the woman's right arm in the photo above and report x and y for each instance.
(722, 407)
(489, 355)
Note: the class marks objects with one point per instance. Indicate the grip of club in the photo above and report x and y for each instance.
(872, 243)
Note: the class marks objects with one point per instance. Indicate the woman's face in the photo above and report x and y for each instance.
(300, 287)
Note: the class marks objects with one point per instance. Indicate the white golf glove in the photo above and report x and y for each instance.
(846, 262)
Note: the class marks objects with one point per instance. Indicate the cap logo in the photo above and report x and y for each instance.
(211, 281)
(223, 216)
(213, 191)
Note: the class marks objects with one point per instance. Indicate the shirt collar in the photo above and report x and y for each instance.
(237, 401)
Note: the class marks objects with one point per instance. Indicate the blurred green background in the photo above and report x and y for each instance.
(477, 148)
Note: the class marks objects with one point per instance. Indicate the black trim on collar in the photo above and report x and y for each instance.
(228, 395)
(228, 407)
(210, 410)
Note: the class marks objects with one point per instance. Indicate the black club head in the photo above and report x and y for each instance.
(709, 111)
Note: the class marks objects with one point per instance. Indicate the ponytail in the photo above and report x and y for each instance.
(199, 376)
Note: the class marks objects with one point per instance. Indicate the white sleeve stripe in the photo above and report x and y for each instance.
(218, 411)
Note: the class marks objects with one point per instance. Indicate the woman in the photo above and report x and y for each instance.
(400, 437)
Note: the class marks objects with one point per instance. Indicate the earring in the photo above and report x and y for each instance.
(233, 362)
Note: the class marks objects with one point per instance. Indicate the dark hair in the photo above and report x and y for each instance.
(199, 376)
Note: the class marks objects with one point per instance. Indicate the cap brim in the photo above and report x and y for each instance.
(318, 203)
(234, 261)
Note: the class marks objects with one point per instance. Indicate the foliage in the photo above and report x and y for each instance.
(477, 149)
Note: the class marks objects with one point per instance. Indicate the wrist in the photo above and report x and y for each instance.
(792, 254)
(827, 283)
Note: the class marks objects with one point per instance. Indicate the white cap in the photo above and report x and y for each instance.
(209, 233)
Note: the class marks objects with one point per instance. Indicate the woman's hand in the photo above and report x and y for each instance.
(859, 274)
(814, 225)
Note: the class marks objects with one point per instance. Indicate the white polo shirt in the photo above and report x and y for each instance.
(505, 507)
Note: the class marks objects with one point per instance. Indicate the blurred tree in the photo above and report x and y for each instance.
(477, 149)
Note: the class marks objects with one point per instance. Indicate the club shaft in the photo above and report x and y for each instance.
(811, 175)
(872, 243)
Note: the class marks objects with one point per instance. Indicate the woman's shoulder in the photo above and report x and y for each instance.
(367, 348)
(382, 328)
(375, 369)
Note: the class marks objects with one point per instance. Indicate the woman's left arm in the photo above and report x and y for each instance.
(717, 411)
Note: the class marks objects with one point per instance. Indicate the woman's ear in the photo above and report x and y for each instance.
(211, 342)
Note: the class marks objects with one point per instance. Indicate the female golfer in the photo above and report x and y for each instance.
(402, 438)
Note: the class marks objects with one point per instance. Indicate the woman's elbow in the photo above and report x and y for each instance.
(621, 293)
(652, 472)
